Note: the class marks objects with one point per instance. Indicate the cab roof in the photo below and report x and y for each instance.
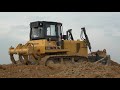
(46, 22)
(38, 23)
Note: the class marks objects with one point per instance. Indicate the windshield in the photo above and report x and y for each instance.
(37, 33)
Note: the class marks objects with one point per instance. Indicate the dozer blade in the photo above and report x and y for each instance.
(105, 61)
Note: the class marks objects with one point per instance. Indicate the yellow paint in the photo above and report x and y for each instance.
(39, 47)
(71, 46)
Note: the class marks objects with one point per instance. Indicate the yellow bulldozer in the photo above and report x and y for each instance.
(48, 44)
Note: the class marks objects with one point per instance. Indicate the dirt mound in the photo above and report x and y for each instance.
(89, 70)
(113, 63)
(81, 70)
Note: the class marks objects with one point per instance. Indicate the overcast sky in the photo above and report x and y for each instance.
(103, 29)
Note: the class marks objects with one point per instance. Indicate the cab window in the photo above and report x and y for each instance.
(51, 30)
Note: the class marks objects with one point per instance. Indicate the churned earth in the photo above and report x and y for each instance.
(81, 70)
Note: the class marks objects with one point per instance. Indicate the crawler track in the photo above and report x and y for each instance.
(62, 59)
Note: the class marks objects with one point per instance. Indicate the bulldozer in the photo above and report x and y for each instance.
(48, 45)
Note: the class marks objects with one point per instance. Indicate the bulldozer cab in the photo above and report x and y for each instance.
(45, 30)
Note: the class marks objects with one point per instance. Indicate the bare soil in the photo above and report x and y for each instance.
(81, 70)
